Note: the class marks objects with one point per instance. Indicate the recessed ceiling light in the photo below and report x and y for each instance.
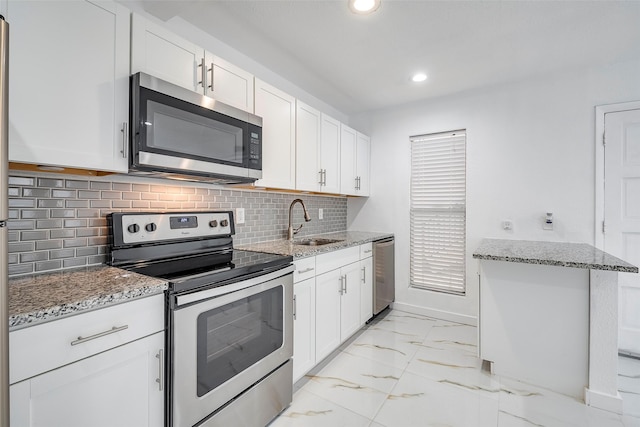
(364, 6)
(419, 77)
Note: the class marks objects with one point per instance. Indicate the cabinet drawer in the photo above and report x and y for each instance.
(40, 348)
(305, 269)
(366, 250)
(336, 259)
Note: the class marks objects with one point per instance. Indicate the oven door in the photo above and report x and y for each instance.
(226, 339)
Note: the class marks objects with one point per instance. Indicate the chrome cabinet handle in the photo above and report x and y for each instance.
(324, 175)
(160, 379)
(124, 139)
(341, 285)
(113, 330)
(295, 307)
(211, 83)
(364, 274)
(345, 283)
(320, 182)
(203, 73)
(367, 251)
(306, 270)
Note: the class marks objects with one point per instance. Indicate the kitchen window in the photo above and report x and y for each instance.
(438, 212)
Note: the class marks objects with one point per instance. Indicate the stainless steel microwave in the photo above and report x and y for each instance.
(178, 133)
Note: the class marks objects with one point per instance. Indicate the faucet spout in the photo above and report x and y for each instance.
(291, 231)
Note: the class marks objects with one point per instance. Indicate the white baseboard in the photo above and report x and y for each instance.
(606, 402)
(438, 314)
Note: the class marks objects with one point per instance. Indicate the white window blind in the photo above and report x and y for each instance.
(438, 212)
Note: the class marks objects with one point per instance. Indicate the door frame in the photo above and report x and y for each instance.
(601, 111)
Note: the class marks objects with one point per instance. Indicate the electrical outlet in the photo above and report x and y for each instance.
(320, 213)
(239, 215)
(507, 225)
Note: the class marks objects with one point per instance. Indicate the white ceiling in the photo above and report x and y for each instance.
(360, 63)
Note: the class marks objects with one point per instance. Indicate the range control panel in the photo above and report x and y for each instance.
(137, 228)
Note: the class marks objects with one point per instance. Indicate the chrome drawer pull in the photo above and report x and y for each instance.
(113, 330)
(306, 270)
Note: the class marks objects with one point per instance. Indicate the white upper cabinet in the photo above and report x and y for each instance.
(363, 150)
(228, 83)
(348, 138)
(354, 162)
(69, 84)
(330, 155)
(160, 53)
(308, 172)
(317, 151)
(278, 112)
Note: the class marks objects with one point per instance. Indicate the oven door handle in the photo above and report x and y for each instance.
(232, 287)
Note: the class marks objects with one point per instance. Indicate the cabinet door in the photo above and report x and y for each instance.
(347, 160)
(328, 311)
(160, 53)
(307, 147)
(366, 290)
(228, 83)
(69, 84)
(362, 164)
(330, 154)
(114, 388)
(304, 327)
(278, 112)
(350, 301)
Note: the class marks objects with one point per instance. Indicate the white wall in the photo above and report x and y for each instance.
(530, 149)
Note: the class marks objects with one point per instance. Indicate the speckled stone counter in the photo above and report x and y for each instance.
(286, 247)
(43, 297)
(575, 255)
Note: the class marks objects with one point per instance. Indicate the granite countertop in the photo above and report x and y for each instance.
(38, 298)
(575, 255)
(286, 247)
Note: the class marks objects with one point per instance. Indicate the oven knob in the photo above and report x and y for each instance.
(213, 223)
(133, 228)
(224, 223)
(150, 227)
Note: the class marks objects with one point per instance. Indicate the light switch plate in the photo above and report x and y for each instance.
(239, 215)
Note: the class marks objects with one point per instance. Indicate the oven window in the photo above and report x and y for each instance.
(169, 128)
(235, 336)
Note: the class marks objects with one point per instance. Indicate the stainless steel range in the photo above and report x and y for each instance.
(229, 316)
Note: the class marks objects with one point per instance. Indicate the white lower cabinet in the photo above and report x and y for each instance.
(304, 327)
(337, 299)
(333, 298)
(327, 313)
(101, 368)
(366, 283)
(118, 387)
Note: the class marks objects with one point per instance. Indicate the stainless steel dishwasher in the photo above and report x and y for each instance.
(384, 274)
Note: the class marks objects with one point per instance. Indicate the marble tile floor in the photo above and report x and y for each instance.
(407, 370)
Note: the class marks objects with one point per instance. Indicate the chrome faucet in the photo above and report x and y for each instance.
(291, 231)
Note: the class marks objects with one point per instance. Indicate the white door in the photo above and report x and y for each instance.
(304, 327)
(622, 217)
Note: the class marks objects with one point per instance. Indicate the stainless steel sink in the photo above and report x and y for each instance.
(314, 242)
